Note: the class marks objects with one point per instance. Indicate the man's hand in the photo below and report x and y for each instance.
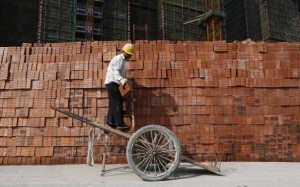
(123, 81)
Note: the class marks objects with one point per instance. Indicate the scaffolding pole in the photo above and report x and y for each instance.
(73, 24)
(128, 21)
(89, 20)
(40, 20)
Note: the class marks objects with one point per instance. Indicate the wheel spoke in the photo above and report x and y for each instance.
(154, 139)
(165, 139)
(156, 142)
(151, 134)
(165, 158)
(154, 165)
(137, 149)
(158, 164)
(142, 147)
(161, 135)
(167, 150)
(137, 154)
(162, 164)
(148, 162)
(145, 141)
(144, 160)
(160, 147)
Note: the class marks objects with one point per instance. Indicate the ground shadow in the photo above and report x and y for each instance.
(117, 171)
(189, 171)
(182, 172)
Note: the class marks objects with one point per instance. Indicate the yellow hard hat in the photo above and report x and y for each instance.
(128, 48)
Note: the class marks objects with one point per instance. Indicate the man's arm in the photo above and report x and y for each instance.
(116, 67)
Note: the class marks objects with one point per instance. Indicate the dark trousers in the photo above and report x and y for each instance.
(115, 110)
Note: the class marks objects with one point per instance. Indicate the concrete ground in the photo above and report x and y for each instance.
(238, 174)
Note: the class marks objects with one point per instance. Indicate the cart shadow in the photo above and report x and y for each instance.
(182, 172)
(117, 171)
(189, 171)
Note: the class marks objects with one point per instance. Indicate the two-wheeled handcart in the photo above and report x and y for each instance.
(153, 152)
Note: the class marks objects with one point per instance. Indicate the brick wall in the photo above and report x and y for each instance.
(241, 99)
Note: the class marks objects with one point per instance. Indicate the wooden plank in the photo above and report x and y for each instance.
(94, 124)
(204, 166)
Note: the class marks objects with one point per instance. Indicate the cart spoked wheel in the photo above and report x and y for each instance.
(153, 152)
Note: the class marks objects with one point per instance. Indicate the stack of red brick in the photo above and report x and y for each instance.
(240, 99)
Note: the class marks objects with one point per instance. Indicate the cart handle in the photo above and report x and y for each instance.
(92, 123)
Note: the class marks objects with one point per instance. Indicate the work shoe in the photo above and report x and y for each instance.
(123, 127)
(111, 125)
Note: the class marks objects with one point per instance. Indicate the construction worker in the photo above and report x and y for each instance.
(114, 78)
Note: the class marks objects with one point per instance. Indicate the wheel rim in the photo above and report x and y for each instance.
(154, 153)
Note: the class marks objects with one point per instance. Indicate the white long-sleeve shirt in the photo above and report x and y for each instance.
(116, 69)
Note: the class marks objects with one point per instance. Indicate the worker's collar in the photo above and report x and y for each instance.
(123, 57)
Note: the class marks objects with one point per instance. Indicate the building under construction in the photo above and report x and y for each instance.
(173, 14)
(44, 21)
(130, 20)
(280, 20)
(268, 20)
(18, 20)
